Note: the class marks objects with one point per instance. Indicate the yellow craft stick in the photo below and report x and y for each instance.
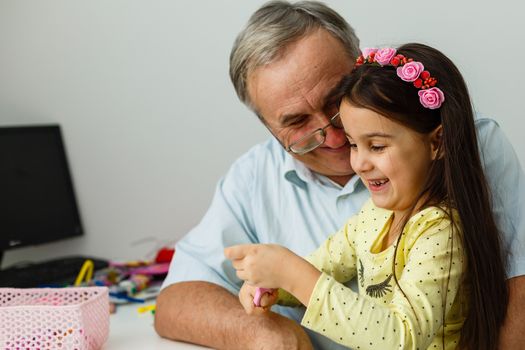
(85, 271)
(146, 308)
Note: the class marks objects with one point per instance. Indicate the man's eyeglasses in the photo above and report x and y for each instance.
(316, 138)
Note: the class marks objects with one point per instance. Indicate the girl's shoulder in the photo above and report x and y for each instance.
(431, 222)
(432, 213)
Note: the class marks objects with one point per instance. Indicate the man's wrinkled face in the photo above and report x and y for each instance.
(293, 96)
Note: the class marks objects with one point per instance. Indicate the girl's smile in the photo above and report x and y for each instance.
(377, 185)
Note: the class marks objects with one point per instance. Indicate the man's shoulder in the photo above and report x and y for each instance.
(482, 122)
(263, 159)
(494, 144)
(491, 138)
(269, 149)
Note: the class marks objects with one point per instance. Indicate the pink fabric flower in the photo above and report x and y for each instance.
(383, 56)
(431, 98)
(368, 50)
(410, 71)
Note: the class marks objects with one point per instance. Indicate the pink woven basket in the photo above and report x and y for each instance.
(54, 318)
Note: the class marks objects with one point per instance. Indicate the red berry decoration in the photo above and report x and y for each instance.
(395, 61)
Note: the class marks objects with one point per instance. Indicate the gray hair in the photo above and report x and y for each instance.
(274, 26)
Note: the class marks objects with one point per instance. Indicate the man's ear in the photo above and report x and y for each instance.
(436, 143)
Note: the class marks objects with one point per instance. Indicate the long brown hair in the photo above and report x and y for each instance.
(456, 179)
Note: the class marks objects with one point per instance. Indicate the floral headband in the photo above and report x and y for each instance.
(408, 70)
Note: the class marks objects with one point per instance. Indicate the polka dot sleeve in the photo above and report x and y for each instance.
(336, 256)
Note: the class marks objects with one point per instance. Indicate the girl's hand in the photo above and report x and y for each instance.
(261, 265)
(264, 297)
(246, 297)
(273, 266)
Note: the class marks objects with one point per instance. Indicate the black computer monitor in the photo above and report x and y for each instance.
(37, 199)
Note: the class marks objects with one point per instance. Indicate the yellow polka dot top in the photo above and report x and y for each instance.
(429, 265)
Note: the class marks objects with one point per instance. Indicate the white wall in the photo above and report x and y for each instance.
(150, 118)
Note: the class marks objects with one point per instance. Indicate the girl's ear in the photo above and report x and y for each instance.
(436, 143)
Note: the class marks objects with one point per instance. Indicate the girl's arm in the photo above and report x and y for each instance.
(273, 266)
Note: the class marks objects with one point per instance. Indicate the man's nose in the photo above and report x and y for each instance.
(335, 137)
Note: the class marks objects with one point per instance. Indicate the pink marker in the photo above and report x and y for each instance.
(259, 292)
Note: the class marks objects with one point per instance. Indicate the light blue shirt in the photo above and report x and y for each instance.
(269, 197)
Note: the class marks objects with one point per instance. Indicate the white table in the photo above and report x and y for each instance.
(130, 329)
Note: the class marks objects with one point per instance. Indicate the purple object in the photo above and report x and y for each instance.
(259, 292)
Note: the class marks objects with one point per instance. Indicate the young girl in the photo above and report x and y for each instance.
(425, 249)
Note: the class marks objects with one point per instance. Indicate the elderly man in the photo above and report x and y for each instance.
(298, 187)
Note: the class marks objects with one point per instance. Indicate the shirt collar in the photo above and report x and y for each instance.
(298, 174)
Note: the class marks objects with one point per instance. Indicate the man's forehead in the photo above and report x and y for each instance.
(327, 96)
(281, 103)
(302, 80)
